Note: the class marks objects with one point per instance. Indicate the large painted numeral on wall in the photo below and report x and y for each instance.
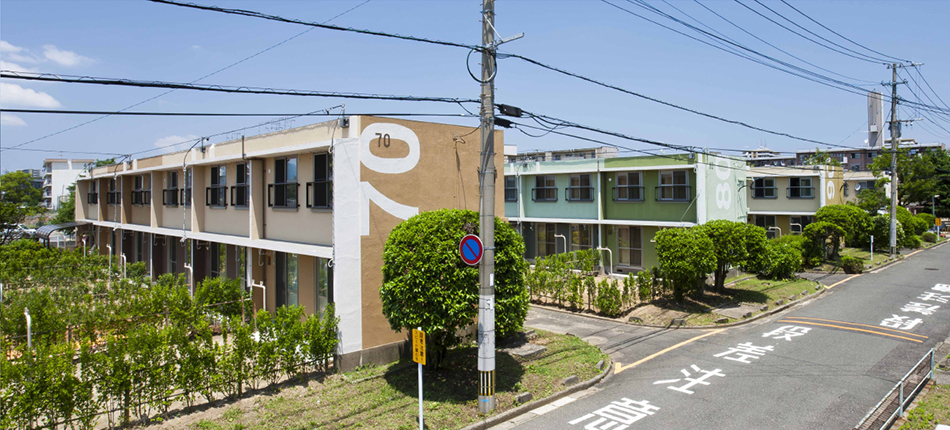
(723, 190)
(384, 133)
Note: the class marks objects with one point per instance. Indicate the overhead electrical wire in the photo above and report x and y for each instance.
(254, 14)
(60, 151)
(217, 114)
(48, 77)
(193, 81)
(841, 36)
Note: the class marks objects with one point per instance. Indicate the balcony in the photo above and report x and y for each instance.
(544, 194)
(672, 193)
(628, 193)
(579, 194)
(800, 192)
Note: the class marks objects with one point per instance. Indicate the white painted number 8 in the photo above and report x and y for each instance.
(723, 196)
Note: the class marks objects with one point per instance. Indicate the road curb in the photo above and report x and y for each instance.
(695, 327)
(527, 407)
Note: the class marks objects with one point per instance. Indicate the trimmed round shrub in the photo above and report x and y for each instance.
(912, 242)
(929, 237)
(855, 222)
(912, 224)
(686, 256)
(426, 284)
(851, 264)
(784, 257)
(882, 231)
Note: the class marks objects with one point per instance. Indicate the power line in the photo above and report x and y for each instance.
(216, 114)
(855, 55)
(254, 14)
(59, 151)
(841, 36)
(194, 81)
(48, 77)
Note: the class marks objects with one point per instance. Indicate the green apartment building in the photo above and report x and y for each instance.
(617, 205)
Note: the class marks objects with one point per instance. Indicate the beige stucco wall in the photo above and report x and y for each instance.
(782, 203)
(299, 224)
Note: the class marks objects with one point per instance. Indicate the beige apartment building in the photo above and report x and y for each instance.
(301, 216)
(784, 200)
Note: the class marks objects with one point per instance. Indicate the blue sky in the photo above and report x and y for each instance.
(143, 40)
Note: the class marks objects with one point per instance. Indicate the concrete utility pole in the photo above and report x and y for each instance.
(486, 224)
(895, 138)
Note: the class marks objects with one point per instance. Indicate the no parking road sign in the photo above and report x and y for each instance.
(471, 249)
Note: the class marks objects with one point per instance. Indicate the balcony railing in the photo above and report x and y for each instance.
(170, 197)
(113, 197)
(800, 192)
(141, 197)
(239, 195)
(92, 198)
(764, 192)
(319, 195)
(672, 193)
(628, 193)
(511, 194)
(544, 194)
(184, 196)
(283, 195)
(579, 194)
(216, 196)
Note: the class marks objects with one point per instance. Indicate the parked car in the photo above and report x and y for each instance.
(17, 232)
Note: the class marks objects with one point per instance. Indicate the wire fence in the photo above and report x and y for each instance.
(895, 402)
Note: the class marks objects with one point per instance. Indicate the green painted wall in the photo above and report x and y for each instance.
(561, 208)
(648, 248)
(511, 208)
(725, 192)
(649, 209)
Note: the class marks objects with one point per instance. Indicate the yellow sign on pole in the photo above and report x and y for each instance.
(419, 346)
(937, 221)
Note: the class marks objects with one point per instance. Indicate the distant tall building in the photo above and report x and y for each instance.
(37, 181)
(875, 120)
(58, 175)
(563, 154)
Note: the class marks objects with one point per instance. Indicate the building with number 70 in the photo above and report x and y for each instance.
(300, 215)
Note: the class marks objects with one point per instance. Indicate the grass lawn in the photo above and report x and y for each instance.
(932, 409)
(699, 311)
(390, 400)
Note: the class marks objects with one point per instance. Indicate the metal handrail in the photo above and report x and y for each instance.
(170, 197)
(630, 189)
(534, 194)
(764, 195)
(788, 192)
(881, 406)
(673, 198)
(580, 194)
(286, 185)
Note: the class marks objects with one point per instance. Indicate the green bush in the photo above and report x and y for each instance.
(686, 256)
(824, 239)
(912, 242)
(224, 296)
(852, 265)
(853, 221)
(608, 298)
(926, 218)
(929, 237)
(882, 232)
(785, 259)
(645, 286)
(426, 284)
(912, 224)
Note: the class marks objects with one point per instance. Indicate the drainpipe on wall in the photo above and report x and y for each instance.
(610, 260)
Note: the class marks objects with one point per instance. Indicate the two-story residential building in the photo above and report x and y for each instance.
(300, 215)
(784, 200)
(618, 204)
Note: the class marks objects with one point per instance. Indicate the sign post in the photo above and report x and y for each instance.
(419, 356)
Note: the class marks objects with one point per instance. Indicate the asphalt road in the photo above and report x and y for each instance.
(824, 365)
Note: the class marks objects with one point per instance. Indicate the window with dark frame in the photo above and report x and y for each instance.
(764, 188)
(674, 186)
(629, 187)
(217, 194)
(545, 239)
(239, 192)
(582, 237)
(170, 193)
(113, 196)
(141, 192)
(283, 192)
(579, 188)
(287, 291)
(186, 191)
(320, 191)
(545, 189)
(800, 188)
(511, 189)
(92, 197)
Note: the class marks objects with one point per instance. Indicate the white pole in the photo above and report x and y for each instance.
(872, 250)
(420, 392)
(29, 328)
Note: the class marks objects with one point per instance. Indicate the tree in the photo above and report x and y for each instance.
(67, 210)
(17, 187)
(820, 233)
(920, 177)
(881, 229)
(732, 242)
(873, 200)
(821, 158)
(426, 284)
(105, 162)
(855, 222)
(686, 256)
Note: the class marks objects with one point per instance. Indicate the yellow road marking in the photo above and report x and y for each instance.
(862, 325)
(618, 368)
(855, 329)
(842, 281)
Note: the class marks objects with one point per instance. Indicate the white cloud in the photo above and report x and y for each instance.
(178, 142)
(11, 120)
(65, 58)
(17, 53)
(8, 47)
(13, 94)
(196, 47)
(14, 67)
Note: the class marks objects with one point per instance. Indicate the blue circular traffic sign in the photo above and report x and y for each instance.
(471, 249)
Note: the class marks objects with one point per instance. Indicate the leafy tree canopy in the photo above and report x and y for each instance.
(17, 188)
(686, 256)
(822, 158)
